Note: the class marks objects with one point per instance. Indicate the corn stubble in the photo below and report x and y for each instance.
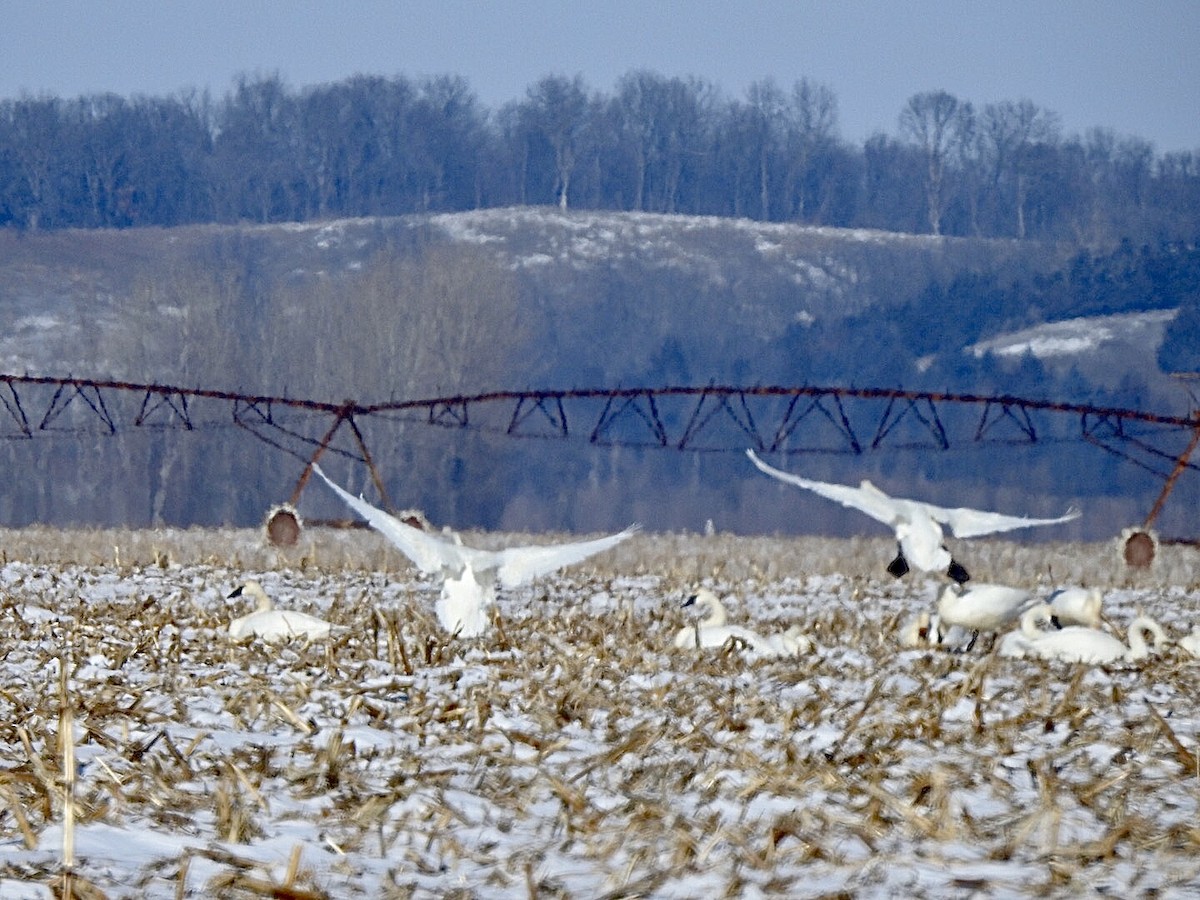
(573, 751)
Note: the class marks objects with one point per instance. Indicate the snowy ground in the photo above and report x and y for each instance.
(573, 752)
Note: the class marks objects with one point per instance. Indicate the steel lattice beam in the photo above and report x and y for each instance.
(713, 418)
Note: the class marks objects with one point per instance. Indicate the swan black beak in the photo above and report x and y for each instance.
(898, 567)
(236, 592)
(957, 572)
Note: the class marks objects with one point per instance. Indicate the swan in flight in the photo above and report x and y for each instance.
(1076, 643)
(272, 624)
(917, 525)
(1076, 606)
(712, 631)
(469, 575)
(982, 607)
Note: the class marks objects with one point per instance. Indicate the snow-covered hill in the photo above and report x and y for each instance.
(438, 305)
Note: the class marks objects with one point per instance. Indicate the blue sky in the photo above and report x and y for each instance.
(1130, 66)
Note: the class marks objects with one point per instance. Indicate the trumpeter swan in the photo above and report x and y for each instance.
(1076, 643)
(983, 607)
(1191, 643)
(1076, 606)
(917, 525)
(922, 630)
(272, 624)
(469, 575)
(1018, 644)
(713, 631)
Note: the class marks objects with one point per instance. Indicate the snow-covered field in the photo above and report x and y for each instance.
(573, 752)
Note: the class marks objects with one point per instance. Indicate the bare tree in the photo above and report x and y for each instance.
(557, 108)
(1008, 135)
(765, 104)
(938, 123)
(811, 120)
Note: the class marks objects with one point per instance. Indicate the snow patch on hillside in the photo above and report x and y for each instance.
(1072, 337)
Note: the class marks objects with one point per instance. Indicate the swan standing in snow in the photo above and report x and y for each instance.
(272, 624)
(983, 607)
(1076, 606)
(917, 525)
(1077, 643)
(469, 575)
(712, 631)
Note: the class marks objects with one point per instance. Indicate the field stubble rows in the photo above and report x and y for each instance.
(573, 751)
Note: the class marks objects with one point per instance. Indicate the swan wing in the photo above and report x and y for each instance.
(866, 498)
(966, 523)
(428, 553)
(520, 565)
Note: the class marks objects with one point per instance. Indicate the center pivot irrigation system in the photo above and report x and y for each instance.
(710, 419)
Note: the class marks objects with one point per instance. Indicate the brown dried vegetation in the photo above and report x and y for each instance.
(572, 751)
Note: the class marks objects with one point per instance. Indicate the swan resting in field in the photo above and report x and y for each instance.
(1077, 643)
(469, 576)
(917, 525)
(1076, 606)
(1191, 643)
(712, 631)
(922, 630)
(270, 624)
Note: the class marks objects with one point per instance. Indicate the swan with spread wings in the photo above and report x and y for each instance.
(917, 525)
(470, 575)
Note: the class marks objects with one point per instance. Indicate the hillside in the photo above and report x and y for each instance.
(427, 306)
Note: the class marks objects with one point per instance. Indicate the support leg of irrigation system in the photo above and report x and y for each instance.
(1140, 545)
(283, 522)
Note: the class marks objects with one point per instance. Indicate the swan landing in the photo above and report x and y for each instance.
(469, 576)
(917, 525)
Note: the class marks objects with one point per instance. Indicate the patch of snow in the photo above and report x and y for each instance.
(37, 323)
(1072, 337)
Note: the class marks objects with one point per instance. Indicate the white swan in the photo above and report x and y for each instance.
(712, 631)
(1076, 606)
(983, 607)
(469, 575)
(1019, 644)
(272, 624)
(922, 630)
(1191, 643)
(917, 525)
(1076, 643)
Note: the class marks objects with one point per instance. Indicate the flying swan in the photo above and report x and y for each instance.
(469, 575)
(712, 631)
(270, 624)
(917, 525)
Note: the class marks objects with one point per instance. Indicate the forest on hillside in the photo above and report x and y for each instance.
(382, 146)
(430, 306)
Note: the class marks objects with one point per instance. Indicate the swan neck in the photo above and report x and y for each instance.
(716, 614)
(1138, 629)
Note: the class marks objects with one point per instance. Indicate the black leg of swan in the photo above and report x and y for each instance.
(957, 572)
(971, 642)
(898, 567)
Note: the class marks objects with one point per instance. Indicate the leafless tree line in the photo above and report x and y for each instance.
(383, 146)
